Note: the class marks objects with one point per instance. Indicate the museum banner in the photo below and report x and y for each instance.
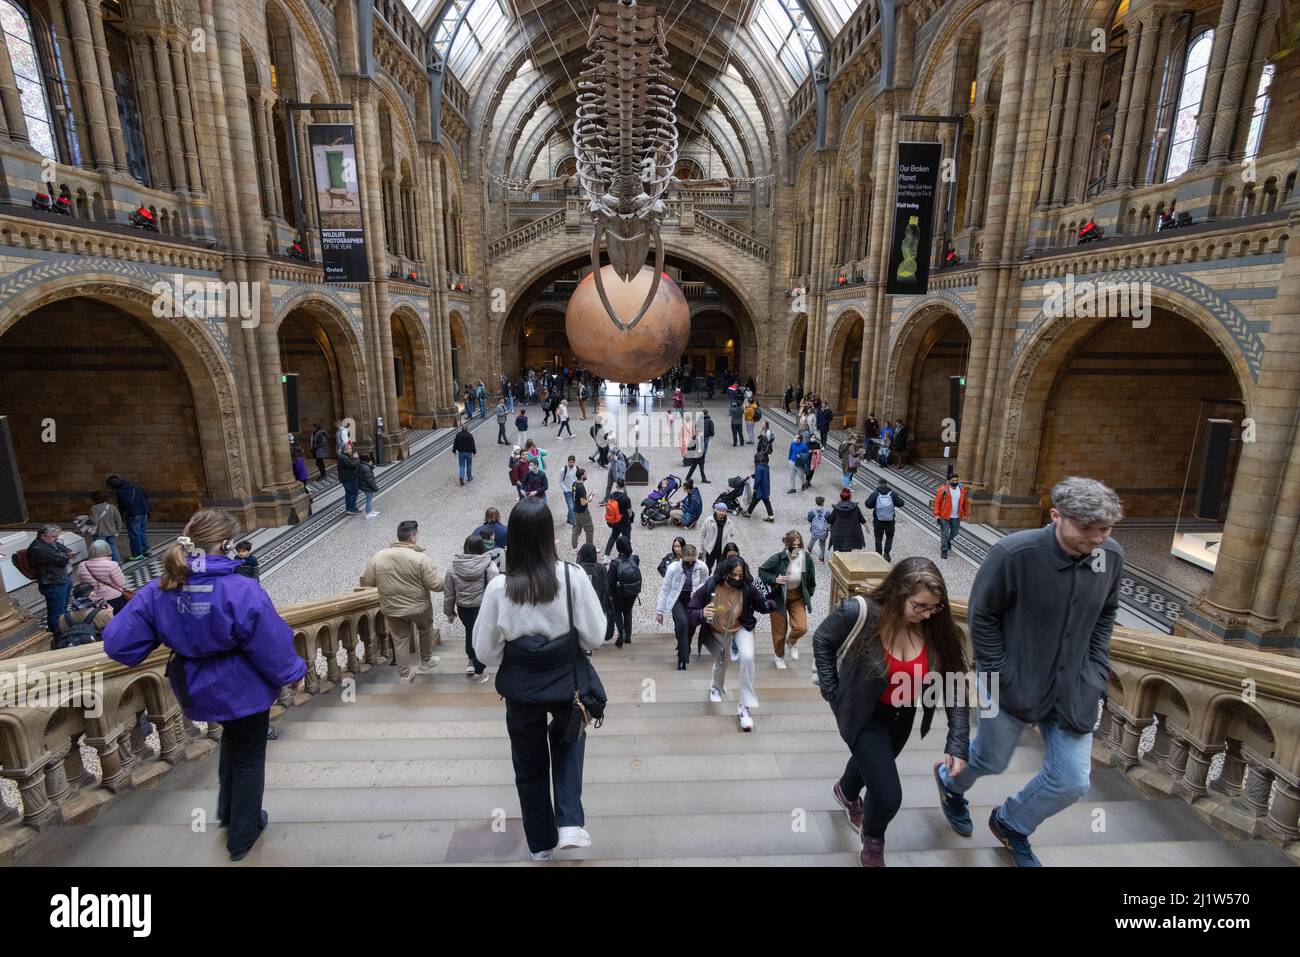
(914, 195)
(338, 202)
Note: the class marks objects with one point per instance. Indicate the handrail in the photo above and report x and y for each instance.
(526, 234)
(733, 237)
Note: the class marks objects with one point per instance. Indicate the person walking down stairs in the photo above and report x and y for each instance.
(462, 595)
(404, 576)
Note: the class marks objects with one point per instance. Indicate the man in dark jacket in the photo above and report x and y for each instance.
(134, 506)
(688, 513)
(348, 463)
(1041, 612)
(824, 418)
(50, 559)
(624, 526)
(846, 521)
(465, 451)
(883, 503)
(492, 526)
(737, 413)
(535, 483)
(320, 449)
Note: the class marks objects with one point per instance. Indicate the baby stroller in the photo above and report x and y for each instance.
(657, 506)
(740, 490)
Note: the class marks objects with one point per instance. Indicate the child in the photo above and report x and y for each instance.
(366, 482)
(244, 552)
(818, 527)
(521, 424)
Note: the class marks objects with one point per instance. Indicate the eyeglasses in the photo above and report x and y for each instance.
(922, 608)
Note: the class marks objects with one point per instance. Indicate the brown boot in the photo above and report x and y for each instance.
(873, 852)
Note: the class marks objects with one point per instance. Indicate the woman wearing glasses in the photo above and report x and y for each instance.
(874, 655)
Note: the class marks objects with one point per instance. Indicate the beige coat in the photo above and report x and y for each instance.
(405, 576)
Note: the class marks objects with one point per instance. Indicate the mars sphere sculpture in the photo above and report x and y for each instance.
(649, 348)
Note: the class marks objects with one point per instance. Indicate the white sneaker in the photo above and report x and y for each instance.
(746, 722)
(794, 653)
(469, 671)
(426, 667)
(780, 662)
(483, 678)
(715, 696)
(540, 855)
(372, 514)
(408, 678)
(574, 837)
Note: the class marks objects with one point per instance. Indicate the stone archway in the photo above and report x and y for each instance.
(459, 353)
(414, 373)
(1098, 378)
(843, 367)
(96, 335)
(932, 346)
(796, 363)
(318, 343)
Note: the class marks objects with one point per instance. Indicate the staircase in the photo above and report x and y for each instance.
(421, 774)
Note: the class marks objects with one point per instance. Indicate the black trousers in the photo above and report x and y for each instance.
(767, 504)
(467, 618)
(622, 609)
(697, 464)
(737, 434)
(539, 762)
(614, 533)
(873, 766)
(320, 467)
(884, 533)
(241, 771)
(683, 629)
(501, 434)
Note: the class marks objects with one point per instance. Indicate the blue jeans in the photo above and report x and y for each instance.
(112, 547)
(56, 603)
(350, 494)
(466, 460)
(136, 528)
(370, 497)
(537, 768)
(948, 529)
(482, 408)
(1061, 781)
(568, 498)
(706, 444)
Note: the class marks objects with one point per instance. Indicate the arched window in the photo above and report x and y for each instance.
(27, 73)
(1260, 112)
(1189, 105)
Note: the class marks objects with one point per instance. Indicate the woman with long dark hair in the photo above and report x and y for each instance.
(231, 655)
(536, 621)
(873, 656)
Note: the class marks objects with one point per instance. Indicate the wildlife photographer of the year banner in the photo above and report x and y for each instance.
(338, 202)
(909, 244)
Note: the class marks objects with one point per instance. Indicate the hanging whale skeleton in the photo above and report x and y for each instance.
(625, 143)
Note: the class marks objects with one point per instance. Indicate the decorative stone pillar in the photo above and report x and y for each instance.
(181, 80)
(115, 777)
(1230, 779)
(1213, 82)
(92, 93)
(75, 769)
(1055, 120)
(266, 104)
(1258, 786)
(1285, 812)
(172, 739)
(1121, 111)
(1077, 177)
(38, 810)
(151, 111)
(171, 118)
(13, 124)
(56, 777)
(1135, 122)
(1263, 47)
(95, 14)
(264, 154)
(1234, 79)
(1192, 784)
(1176, 766)
(1066, 152)
(983, 118)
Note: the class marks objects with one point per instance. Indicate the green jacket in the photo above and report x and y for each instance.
(775, 567)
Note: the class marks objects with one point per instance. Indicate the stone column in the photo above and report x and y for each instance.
(1283, 815)
(151, 111)
(1165, 21)
(439, 321)
(267, 105)
(1121, 110)
(181, 81)
(1060, 78)
(171, 119)
(118, 144)
(12, 122)
(947, 147)
(92, 93)
(265, 154)
(1137, 103)
(1257, 787)
(1263, 47)
(1067, 154)
(1234, 80)
(1213, 82)
(980, 119)
(1077, 183)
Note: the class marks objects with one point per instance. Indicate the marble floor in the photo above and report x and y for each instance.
(448, 512)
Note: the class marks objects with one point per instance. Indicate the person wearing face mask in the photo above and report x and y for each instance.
(715, 533)
(727, 605)
(1041, 612)
(794, 577)
(951, 508)
(682, 578)
(233, 654)
(873, 656)
(535, 482)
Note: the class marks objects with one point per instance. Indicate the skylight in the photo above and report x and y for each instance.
(485, 21)
(788, 33)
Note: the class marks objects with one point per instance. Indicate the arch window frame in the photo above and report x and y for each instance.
(28, 70)
(1186, 114)
(1258, 117)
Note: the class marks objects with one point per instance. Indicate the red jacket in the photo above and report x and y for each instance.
(943, 507)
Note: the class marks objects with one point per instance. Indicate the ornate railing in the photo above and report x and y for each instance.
(1215, 725)
(733, 237)
(70, 729)
(524, 235)
(82, 237)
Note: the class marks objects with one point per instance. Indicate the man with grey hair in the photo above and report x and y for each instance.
(51, 560)
(1041, 612)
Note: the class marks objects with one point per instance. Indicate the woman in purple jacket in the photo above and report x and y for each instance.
(231, 655)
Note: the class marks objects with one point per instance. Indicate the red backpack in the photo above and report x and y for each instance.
(19, 558)
(613, 514)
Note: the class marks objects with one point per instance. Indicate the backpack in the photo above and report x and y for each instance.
(613, 512)
(74, 631)
(521, 423)
(817, 523)
(885, 506)
(592, 431)
(627, 579)
(21, 562)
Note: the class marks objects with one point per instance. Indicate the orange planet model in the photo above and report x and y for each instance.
(650, 348)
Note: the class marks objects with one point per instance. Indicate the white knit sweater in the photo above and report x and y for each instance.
(501, 620)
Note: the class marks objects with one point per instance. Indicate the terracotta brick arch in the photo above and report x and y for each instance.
(417, 373)
(915, 336)
(845, 347)
(339, 339)
(199, 347)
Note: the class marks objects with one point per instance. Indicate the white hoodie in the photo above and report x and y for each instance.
(501, 620)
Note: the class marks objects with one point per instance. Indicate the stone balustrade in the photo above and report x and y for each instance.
(1207, 702)
(524, 235)
(80, 237)
(734, 237)
(55, 704)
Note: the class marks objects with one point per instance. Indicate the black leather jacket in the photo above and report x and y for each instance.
(49, 560)
(854, 692)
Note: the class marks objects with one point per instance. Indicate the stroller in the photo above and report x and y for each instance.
(657, 506)
(739, 494)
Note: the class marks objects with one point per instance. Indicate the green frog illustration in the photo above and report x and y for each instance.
(911, 242)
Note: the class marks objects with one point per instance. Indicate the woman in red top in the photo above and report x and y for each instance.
(896, 636)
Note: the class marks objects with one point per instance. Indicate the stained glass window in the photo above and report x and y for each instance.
(1189, 105)
(27, 74)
